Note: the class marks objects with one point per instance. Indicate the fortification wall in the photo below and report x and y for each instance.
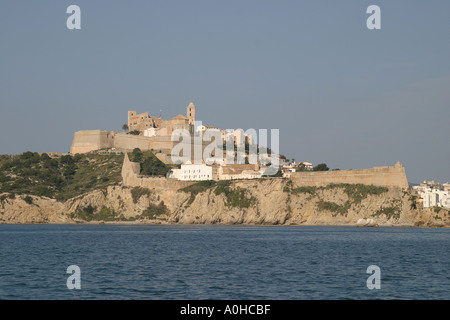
(90, 140)
(131, 178)
(163, 143)
(129, 142)
(379, 176)
(160, 183)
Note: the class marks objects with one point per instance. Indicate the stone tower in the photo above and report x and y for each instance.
(131, 114)
(190, 113)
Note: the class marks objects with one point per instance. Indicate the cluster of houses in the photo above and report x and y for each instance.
(224, 171)
(434, 194)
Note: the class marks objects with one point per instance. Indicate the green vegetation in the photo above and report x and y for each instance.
(135, 132)
(106, 214)
(60, 177)
(334, 207)
(304, 189)
(88, 214)
(239, 197)
(358, 192)
(389, 212)
(413, 200)
(222, 187)
(154, 211)
(321, 167)
(235, 197)
(437, 209)
(301, 168)
(196, 188)
(288, 186)
(28, 199)
(150, 164)
(199, 186)
(355, 193)
(138, 192)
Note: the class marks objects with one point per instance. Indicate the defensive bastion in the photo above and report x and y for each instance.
(378, 176)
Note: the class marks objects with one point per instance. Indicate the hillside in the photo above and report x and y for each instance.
(63, 177)
(60, 177)
(264, 201)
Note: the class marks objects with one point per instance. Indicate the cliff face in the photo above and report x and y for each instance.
(269, 202)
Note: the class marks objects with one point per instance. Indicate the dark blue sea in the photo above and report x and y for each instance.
(223, 262)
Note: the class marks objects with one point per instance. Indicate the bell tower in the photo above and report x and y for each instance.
(190, 113)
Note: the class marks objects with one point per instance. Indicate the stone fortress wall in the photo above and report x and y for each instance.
(379, 176)
(91, 140)
(131, 178)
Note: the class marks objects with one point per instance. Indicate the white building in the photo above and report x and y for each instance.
(308, 165)
(238, 136)
(435, 198)
(192, 172)
(150, 132)
(200, 129)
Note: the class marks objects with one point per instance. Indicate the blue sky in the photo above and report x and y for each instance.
(339, 93)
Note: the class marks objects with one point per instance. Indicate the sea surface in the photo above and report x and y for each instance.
(223, 262)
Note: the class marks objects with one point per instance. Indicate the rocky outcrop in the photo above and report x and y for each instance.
(265, 201)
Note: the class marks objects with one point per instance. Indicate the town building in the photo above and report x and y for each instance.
(433, 197)
(238, 171)
(192, 172)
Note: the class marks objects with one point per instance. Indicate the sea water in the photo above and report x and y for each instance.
(223, 262)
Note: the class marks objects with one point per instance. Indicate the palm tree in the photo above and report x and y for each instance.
(125, 127)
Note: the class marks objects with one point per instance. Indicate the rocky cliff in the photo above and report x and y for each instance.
(265, 201)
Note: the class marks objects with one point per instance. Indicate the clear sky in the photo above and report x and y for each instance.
(339, 93)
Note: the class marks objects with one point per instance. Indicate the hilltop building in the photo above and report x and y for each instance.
(192, 172)
(144, 132)
(155, 133)
(141, 122)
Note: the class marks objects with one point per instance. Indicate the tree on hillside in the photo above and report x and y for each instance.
(137, 155)
(321, 167)
(125, 127)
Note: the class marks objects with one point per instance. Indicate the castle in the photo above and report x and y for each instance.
(160, 127)
(144, 132)
(153, 133)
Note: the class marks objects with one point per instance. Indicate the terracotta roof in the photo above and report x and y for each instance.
(180, 116)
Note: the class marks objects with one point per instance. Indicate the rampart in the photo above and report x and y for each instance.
(379, 176)
(131, 178)
(94, 140)
(129, 142)
(91, 140)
